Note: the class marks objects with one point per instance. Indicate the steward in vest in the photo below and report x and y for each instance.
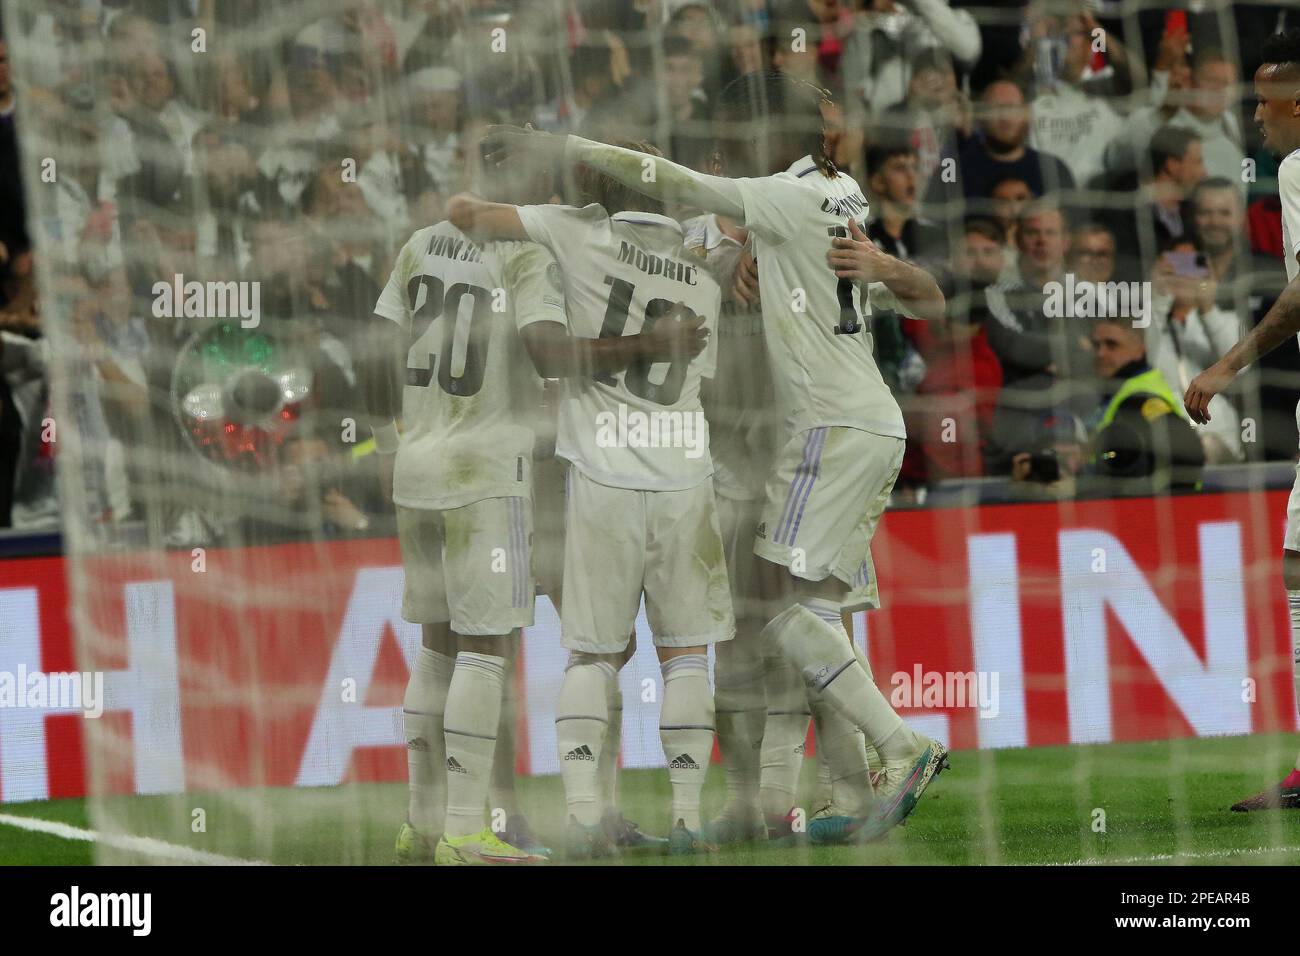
(1141, 436)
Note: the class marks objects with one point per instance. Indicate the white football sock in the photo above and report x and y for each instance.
(501, 785)
(824, 658)
(823, 792)
(841, 759)
(686, 731)
(784, 734)
(873, 758)
(611, 746)
(581, 715)
(470, 728)
(1293, 603)
(741, 709)
(422, 710)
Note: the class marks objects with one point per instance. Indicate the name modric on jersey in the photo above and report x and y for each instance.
(653, 265)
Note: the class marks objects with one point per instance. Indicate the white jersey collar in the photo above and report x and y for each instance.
(647, 219)
(802, 167)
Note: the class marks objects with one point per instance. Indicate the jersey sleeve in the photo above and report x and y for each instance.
(708, 358)
(775, 208)
(532, 281)
(561, 228)
(393, 302)
(1288, 188)
(881, 299)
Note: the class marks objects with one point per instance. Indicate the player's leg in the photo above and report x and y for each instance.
(489, 577)
(817, 543)
(688, 604)
(424, 602)
(624, 834)
(785, 732)
(503, 799)
(604, 551)
(1286, 795)
(740, 699)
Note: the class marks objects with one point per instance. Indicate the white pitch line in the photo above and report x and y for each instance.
(136, 844)
(1173, 857)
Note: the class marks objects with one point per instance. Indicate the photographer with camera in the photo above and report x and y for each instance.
(1053, 461)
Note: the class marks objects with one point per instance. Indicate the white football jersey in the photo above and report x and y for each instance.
(642, 428)
(1288, 190)
(471, 391)
(815, 325)
(742, 427)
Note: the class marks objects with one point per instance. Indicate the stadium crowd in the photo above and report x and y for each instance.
(1014, 149)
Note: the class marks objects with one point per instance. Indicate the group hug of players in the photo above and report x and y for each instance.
(752, 536)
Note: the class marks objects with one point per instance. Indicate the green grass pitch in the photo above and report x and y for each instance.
(1164, 802)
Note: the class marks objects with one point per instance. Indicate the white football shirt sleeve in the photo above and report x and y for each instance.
(1288, 188)
(708, 359)
(393, 302)
(562, 229)
(777, 208)
(532, 281)
(881, 299)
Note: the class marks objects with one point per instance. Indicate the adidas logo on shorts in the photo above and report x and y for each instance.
(453, 766)
(683, 762)
(418, 744)
(761, 530)
(580, 753)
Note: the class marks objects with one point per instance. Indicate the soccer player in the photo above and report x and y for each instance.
(843, 432)
(462, 488)
(762, 707)
(641, 519)
(1277, 113)
(738, 403)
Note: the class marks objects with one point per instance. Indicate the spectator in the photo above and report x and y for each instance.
(936, 117)
(887, 38)
(1187, 334)
(1043, 242)
(590, 80)
(1007, 199)
(1053, 458)
(1092, 253)
(892, 183)
(950, 418)
(1046, 360)
(1247, 284)
(1002, 149)
(1072, 114)
(1207, 109)
(1141, 441)
(1160, 211)
(434, 135)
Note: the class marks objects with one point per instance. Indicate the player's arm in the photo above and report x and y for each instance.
(485, 221)
(651, 175)
(857, 257)
(557, 354)
(531, 277)
(1281, 324)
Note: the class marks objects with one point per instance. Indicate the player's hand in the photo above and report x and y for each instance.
(857, 257)
(744, 288)
(1203, 388)
(340, 511)
(504, 144)
(674, 337)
